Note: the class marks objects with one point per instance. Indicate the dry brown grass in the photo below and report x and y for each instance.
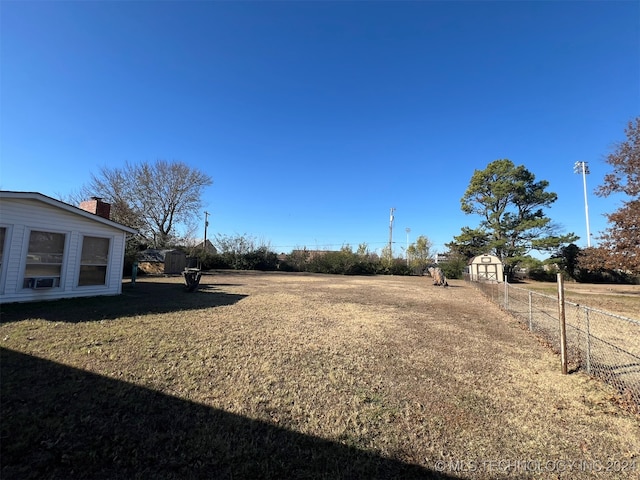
(384, 372)
(621, 300)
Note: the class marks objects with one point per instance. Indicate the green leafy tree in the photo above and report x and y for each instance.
(244, 252)
(386, 259)
(420, 254)
(363, 250)
(454, 266)
(262, 259)
(339, 262)
(567, 260)
(619, 244)
(470, 243)
(510, 203)
(538, 270)
(298, 259)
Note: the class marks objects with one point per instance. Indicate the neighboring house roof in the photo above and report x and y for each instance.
(210, 248)
(64, 206)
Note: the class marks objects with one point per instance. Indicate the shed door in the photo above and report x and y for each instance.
(171, 263)
(488, 271)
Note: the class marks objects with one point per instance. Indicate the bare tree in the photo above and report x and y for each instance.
(155, 198)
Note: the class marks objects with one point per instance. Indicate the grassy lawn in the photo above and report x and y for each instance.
(273, 375)
(621, 300)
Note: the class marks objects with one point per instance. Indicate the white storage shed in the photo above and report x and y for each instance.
(486, 268)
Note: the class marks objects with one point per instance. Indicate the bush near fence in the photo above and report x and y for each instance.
(602, 344)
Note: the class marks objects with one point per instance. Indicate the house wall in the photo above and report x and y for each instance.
(20, 217)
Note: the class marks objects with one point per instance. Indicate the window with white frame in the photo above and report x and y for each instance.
(44, 260)
(94, 261)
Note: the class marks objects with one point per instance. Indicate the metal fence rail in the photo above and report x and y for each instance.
(604, 345)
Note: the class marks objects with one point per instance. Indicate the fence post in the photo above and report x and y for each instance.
(506, 294)
(586, 313)
(530, 312)
(563, 327)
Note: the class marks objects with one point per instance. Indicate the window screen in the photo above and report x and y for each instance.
(94, 261)
(44, 259)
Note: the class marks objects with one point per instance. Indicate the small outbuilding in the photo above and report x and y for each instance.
(486, 268)
(155, 262)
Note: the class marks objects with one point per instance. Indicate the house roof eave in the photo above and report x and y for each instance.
(64, 206)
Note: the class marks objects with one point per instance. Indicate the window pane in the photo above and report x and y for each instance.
(95, 251)
(42, 270)
(50, 245)
(95, 257)
(44, 259)
(92, 275)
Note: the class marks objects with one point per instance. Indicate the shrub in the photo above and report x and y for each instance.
(454, 268)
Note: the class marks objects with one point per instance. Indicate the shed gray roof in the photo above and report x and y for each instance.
(155, 255)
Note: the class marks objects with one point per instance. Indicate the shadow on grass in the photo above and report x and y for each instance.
(63, 423)
(139, 299)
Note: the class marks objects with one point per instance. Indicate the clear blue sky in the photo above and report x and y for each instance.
(315, 118)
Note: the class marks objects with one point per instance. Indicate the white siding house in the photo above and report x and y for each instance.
(50, 249)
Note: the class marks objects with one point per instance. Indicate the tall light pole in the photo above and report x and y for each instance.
(407, 250)
(583, 168)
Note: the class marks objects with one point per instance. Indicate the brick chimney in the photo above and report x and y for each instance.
(97, 207)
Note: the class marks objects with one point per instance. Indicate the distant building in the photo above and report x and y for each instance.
(441, 257)
(207, 247)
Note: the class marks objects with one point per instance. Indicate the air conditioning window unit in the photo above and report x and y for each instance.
(44, 282)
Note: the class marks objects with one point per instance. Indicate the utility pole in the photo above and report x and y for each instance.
(391, 232)
(206, 224)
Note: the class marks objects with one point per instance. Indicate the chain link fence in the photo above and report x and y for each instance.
(602, 344)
